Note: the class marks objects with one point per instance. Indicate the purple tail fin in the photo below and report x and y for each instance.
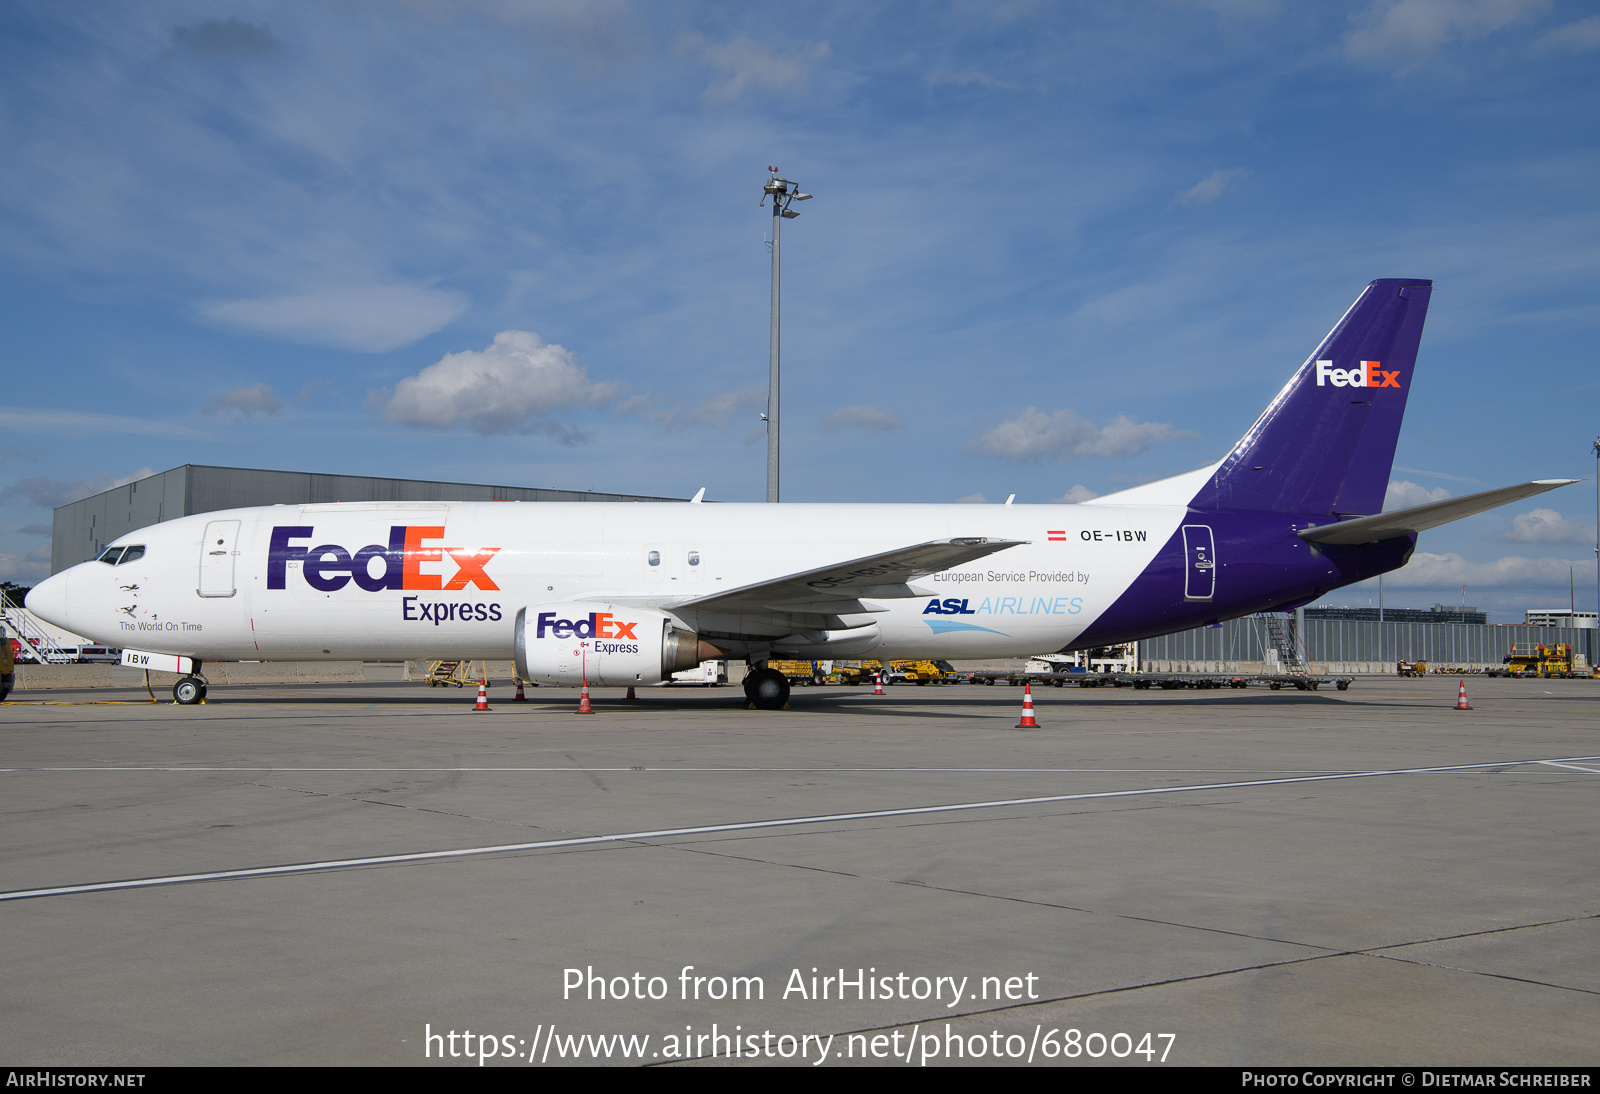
(1326, 443)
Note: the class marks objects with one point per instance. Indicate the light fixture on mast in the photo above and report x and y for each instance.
(783, 194)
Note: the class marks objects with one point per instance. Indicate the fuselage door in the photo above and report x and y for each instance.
(217, 552)
(1199, 562)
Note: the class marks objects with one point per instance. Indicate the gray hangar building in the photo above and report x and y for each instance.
(80, 530)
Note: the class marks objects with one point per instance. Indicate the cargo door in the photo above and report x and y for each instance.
(1199, 562)
(217, 553)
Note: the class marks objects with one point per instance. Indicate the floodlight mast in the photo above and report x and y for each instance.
(783, 193)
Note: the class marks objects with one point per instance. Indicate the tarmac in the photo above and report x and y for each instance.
(372, 873)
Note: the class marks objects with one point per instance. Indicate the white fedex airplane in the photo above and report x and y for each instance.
(629, 593)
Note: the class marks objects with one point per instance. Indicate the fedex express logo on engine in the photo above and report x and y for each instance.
(596, 625)
(1369, 374)
(330, 567)
(603, 628)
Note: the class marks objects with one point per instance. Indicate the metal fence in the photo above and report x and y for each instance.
(1349, 640)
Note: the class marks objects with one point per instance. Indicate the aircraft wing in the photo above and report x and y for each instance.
(840, 587)
(1405, 522)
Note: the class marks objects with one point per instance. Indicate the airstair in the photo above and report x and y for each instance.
(1285, 641)
(443, 674)
(36, 641)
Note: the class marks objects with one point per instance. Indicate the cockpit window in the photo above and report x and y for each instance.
(136, 551)
(110, 555)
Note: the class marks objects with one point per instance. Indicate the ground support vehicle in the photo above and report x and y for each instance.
(707, 674)
(443, 674)
(896, 672)
(1536, 659)
(801, 672)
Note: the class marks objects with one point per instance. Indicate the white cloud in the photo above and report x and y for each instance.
(750, 64)
(26, 569)
(1418, 27)
(860, 417)
(371, 319)
(321, 383)
(49, 493)
(255, 399)
(43, 420)
(226, 37)
(513, 386)
(1403, 494)
(1547, 526)
(1034, 437)
(1079, 492)
(716, 412)
(1430, 571)
(1572, 38)
(1211, 187)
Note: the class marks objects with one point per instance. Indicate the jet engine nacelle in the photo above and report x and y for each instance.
(608, 644)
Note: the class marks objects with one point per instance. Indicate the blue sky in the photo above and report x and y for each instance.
(1055, 249)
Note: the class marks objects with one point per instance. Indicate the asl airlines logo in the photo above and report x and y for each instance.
(330, 567)
(1369, 374)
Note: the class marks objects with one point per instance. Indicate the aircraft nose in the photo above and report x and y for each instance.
(48, 600)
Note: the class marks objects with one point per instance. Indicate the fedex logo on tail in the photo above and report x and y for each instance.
(1369, 374)
(330, 567)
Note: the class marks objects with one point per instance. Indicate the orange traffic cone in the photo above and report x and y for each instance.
(583, 700)
(631, 695)
(520, 698)
(1027, 708)
(877, 684)
(1461, 698)
(483, 696)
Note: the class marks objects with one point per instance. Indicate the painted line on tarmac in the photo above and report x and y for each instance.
(1571, 766)
(702, 770)
(738, 826)
(730, 770)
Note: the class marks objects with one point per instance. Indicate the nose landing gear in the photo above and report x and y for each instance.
(189, 691)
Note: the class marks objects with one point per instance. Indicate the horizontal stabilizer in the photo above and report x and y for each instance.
(882, 576)
(1405, 522)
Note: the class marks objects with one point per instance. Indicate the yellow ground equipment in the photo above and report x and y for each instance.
(1537, 659)
(922, 672)
(799, 672)
(897, 672)
(444, 674)
(1412, 668)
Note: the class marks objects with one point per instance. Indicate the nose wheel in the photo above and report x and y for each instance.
(189, 691)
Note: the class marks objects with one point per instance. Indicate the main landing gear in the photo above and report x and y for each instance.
(767, 689)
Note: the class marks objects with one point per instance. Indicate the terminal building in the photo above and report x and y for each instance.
(1561, 617)
(79, 531)
(1439, 613)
